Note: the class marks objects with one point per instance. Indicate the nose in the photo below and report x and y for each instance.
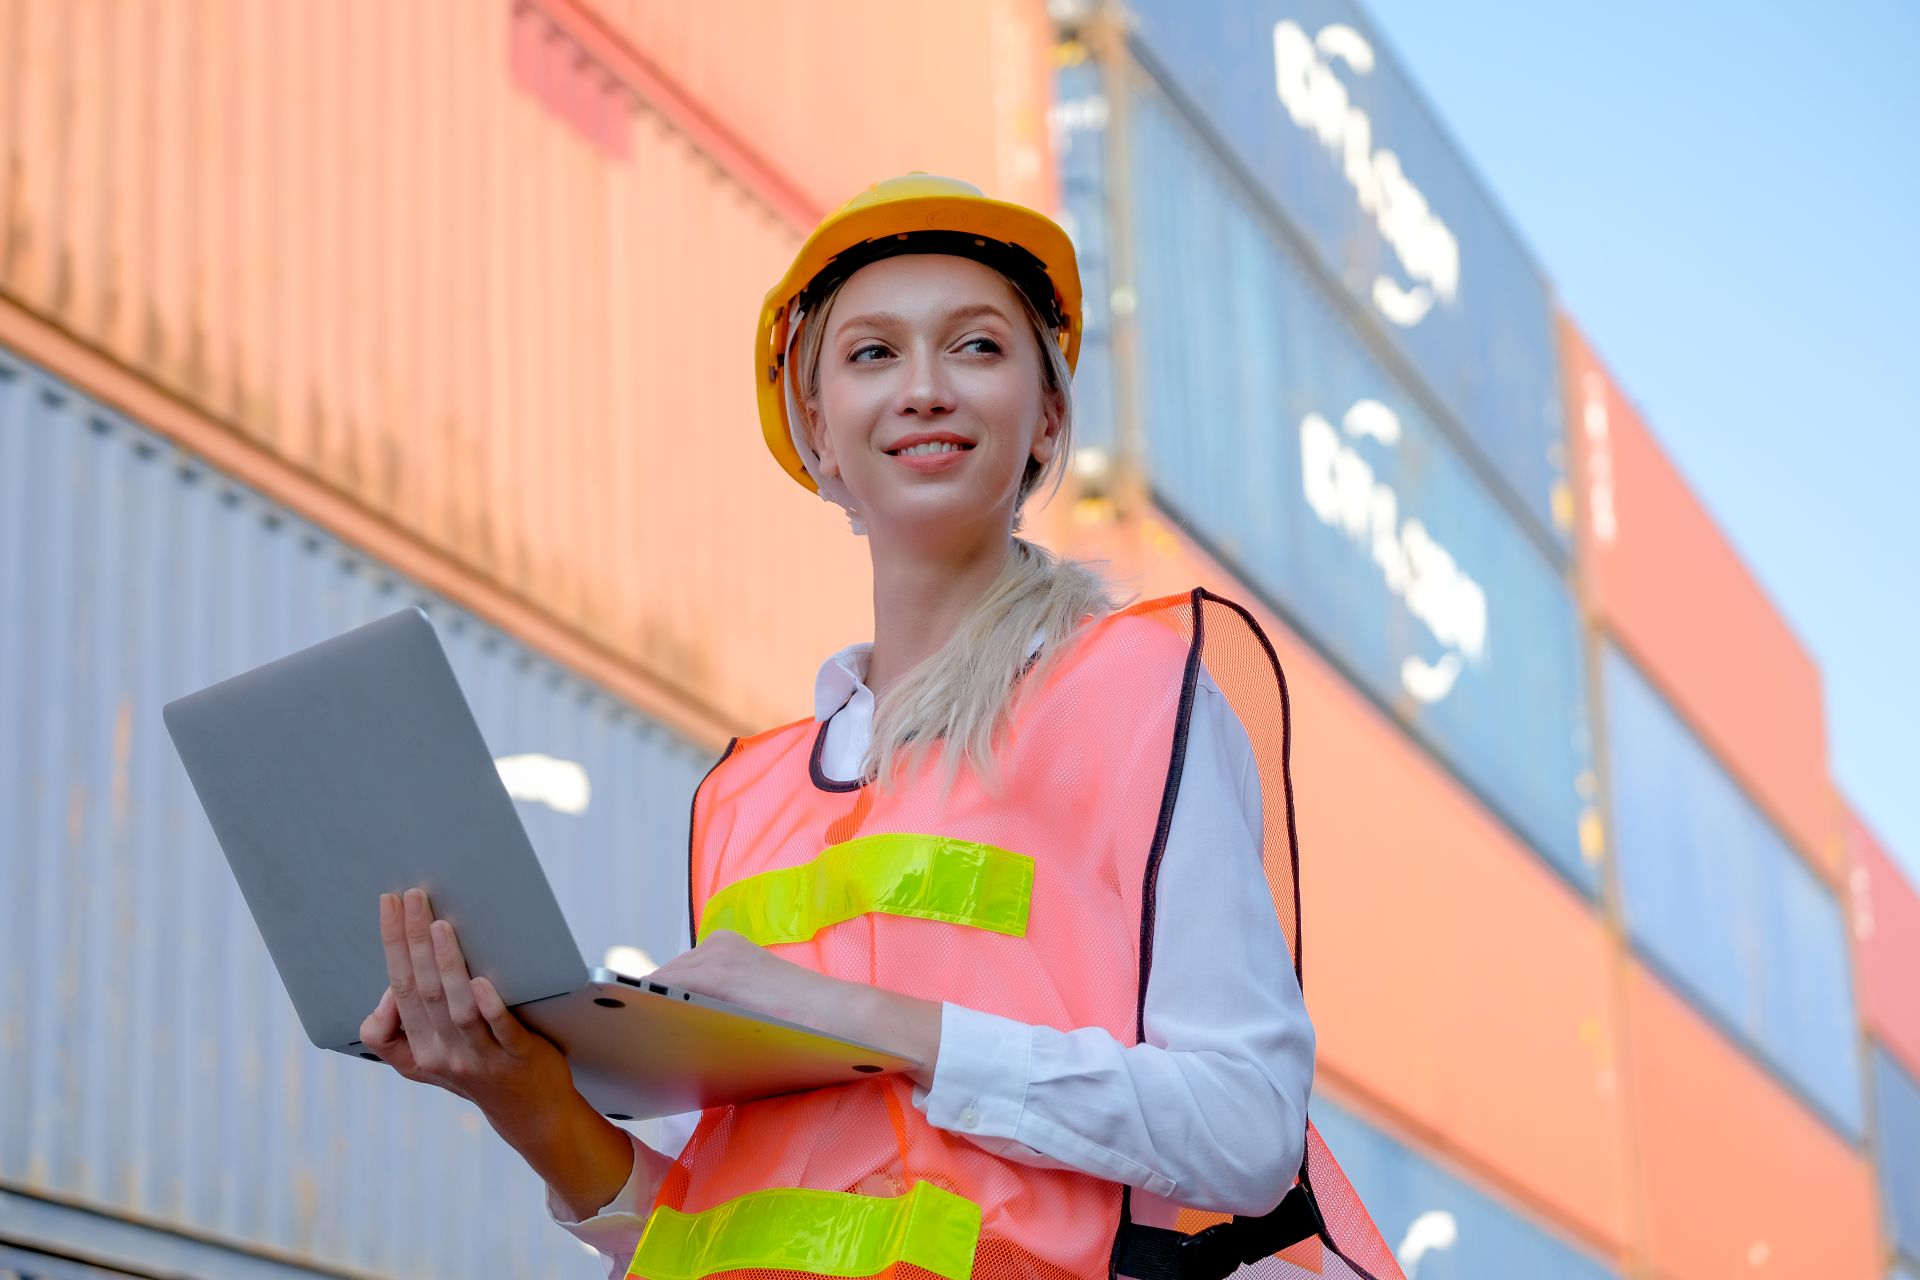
(927, 391)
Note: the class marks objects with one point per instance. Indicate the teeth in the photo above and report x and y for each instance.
(939, 446)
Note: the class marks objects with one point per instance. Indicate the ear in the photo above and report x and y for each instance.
(819, 437)
(1053, 418)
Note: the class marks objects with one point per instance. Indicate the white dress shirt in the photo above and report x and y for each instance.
(1209, 1111)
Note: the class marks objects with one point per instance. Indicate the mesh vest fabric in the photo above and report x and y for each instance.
(1091, 768)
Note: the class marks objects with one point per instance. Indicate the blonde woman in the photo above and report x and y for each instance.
(1025, 838)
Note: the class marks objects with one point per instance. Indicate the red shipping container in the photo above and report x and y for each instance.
(1885, 911)
(1665, 582)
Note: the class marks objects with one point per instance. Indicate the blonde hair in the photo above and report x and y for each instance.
(968, 691)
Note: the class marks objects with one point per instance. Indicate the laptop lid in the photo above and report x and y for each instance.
(355, 768)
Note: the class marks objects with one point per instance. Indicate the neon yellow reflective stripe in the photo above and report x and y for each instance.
(896, 873)
(829, 1233)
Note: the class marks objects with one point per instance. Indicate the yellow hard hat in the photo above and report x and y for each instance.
(917, 213)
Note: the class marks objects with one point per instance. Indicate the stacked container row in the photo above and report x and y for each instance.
(1341, 375)
(136, 575)
(490, 270)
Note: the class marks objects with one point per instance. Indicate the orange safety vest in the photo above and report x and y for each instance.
(1036, 904)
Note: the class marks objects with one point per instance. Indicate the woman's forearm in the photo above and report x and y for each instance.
(579, 1153)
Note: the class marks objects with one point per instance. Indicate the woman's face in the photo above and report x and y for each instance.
(931, 346)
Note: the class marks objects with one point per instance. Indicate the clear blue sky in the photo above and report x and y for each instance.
(1727, 198)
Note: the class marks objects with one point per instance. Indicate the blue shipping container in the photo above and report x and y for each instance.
(184, 1091)
(1080, 119)
(1440, 1227)
(1896, 1104)
(1277, 438)
(1334, 135)
(1723, 906)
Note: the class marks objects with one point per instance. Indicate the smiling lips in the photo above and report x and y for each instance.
(930, 450)
(928, 437)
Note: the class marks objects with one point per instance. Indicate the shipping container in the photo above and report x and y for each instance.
(1670, 588)
(184, 1091)
(1081, 115)
(1455, 982)
(1440, 1225)
(1315, 115)
(1716, 899)
(46, 1239)
(1274, 436)
(1740, 1178)
(837, 93)
(1886, 941)
(1896, 1105)
(484, 275)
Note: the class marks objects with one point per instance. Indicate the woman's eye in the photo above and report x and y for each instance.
(987, 345)
(859, 354)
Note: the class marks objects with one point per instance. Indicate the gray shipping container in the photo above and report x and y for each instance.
(1276, 436)
(150, 1062)
(1307, 102)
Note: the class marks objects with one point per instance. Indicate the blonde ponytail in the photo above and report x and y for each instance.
(969, 689)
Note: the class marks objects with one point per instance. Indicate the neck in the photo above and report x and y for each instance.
(919, 599)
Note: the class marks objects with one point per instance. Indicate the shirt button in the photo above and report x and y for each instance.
(969, 1118)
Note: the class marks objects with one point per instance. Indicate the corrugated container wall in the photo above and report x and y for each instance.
(484, 271)
(1441, 1227)
(1741, 1180)
(1511, 1070)
(1896, 1099)
(1278, 437)
(1317, 115)
(152, 1062)
(1664, 581)
(1719, 901)
(842, 93)
(1885, 908)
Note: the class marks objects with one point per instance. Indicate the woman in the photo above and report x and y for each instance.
(1044, 810)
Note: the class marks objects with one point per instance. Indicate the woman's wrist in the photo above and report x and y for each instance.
(581, 1155)
(905, 1024)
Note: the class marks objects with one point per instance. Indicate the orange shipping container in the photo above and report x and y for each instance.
(1741, 1179)
(1456, 984)
(473, 285)
(1665, 582)
(1886, 941)
(840, 93)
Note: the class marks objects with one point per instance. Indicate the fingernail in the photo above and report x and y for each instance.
(386, 908)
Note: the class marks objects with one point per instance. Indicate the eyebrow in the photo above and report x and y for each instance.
(884, 319)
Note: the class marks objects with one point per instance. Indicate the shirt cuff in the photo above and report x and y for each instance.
(980, 1076)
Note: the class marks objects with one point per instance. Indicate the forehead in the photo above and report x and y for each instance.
(922, 283)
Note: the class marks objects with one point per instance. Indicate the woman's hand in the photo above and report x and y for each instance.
(728, 967)
(438, 1025)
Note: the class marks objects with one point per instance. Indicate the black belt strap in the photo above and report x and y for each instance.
(1156, 1253)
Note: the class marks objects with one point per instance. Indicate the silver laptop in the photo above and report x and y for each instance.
(355, 768)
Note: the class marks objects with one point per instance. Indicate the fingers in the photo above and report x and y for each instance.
(507, 1029)
(458, 987)
(406, 993)
(418, 915)
(383, 1035)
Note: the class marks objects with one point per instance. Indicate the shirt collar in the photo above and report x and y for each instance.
(843, 677)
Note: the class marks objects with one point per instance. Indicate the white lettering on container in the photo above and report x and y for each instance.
(1318, 102)
(1342, 490)
(1595, 422)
